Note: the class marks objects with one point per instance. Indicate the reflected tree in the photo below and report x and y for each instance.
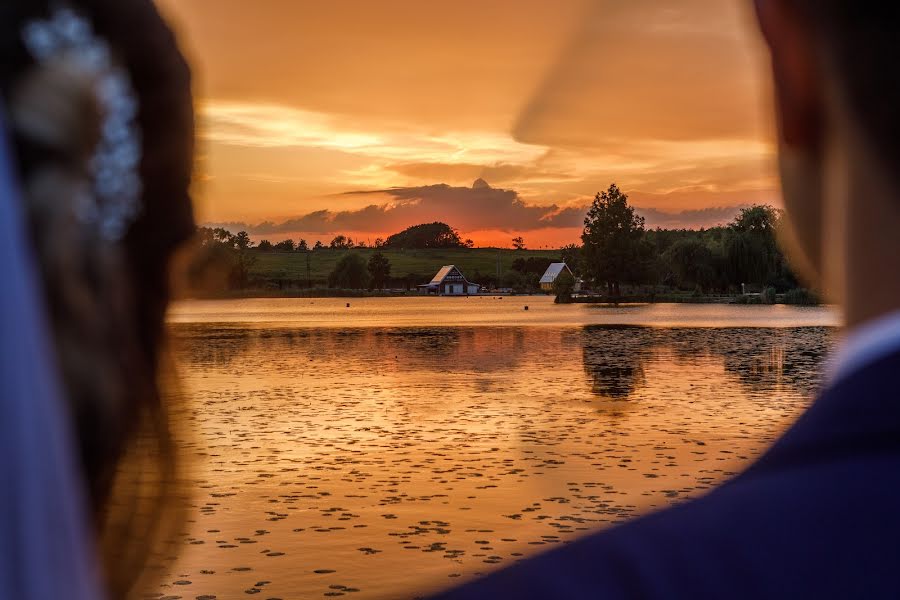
(763, 360)
(614, 359)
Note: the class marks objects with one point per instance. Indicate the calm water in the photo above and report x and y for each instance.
(399, 445)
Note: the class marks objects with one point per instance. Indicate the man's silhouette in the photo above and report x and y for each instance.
(818, 516)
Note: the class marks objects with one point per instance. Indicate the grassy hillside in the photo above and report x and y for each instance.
(422, 263)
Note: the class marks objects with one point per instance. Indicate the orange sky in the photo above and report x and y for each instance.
(362, 117)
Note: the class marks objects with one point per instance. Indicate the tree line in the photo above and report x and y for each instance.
(417, 237)
(618, 251)
(618, 256)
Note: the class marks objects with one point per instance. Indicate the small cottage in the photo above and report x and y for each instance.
(554, 271)
(450, 281)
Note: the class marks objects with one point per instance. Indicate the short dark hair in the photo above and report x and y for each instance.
(861, 39)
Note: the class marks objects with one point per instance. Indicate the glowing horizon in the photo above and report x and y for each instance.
(362, 120)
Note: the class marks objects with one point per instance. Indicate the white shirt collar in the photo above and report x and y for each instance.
(864, 345)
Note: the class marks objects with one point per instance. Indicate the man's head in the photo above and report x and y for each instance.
(837, 93)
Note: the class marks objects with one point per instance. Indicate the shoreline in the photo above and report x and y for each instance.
(736, 299)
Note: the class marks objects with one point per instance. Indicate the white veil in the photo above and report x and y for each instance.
(47, 548)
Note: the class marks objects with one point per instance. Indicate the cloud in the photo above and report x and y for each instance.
(466, 208)
(477, 208)
(553, 99)
(500, 172)
(689, 219)
(267, 125)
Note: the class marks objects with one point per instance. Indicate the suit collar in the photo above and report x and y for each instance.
(865, 345)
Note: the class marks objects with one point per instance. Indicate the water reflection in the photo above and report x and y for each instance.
(391, 459)
(614, 358)
(762, 359)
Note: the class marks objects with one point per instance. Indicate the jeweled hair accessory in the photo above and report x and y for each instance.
(113, 202)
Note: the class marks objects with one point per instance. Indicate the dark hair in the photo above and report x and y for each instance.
(107, 304)
(862, 40)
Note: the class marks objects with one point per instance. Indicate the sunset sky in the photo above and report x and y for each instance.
(363, 117)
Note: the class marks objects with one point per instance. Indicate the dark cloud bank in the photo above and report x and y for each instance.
(480, 207)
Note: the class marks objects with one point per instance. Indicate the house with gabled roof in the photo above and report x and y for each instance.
(554, 271)
(450, 281)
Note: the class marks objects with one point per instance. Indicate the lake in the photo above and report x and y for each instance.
(400, 445)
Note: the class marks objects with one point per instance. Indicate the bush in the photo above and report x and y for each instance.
(769, 295)
(801, 297)
(350, 273)
(563, 287)
(748, 299)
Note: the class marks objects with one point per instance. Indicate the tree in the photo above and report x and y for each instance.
(284, 246)
(751, 250)
(226, 254)
(563, 286)
(242, 241)
(692, 263)
(264, 246)
(427, 235)
(514, 280)
(759, 218)
(302, 246)
(379, 242)
(469, 243)
(518, 243)
(349, 273)
(222, 235)
(613, 241)
(240, 275)
(341, 242)
(532, 264)
(571, 255)
(319, 245)
(379, 268)
(411, 280)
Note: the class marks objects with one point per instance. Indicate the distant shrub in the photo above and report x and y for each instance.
(563, 287)
(749, 299)
(801, 297)
(769, 295)
(350, 273)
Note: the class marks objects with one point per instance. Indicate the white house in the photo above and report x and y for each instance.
(450, 281)
(554, 271)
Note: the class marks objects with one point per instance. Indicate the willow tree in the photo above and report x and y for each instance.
(614, 251)
(751, 251)
(692, 263)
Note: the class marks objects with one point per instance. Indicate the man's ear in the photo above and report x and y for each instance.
(796, 69)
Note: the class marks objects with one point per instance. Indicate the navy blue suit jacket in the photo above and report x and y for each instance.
(818, 516)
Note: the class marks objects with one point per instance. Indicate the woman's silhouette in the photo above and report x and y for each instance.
(98, 138)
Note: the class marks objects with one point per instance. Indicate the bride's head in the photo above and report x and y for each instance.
(98, 99)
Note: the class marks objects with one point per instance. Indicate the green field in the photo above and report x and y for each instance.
(291, 267)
